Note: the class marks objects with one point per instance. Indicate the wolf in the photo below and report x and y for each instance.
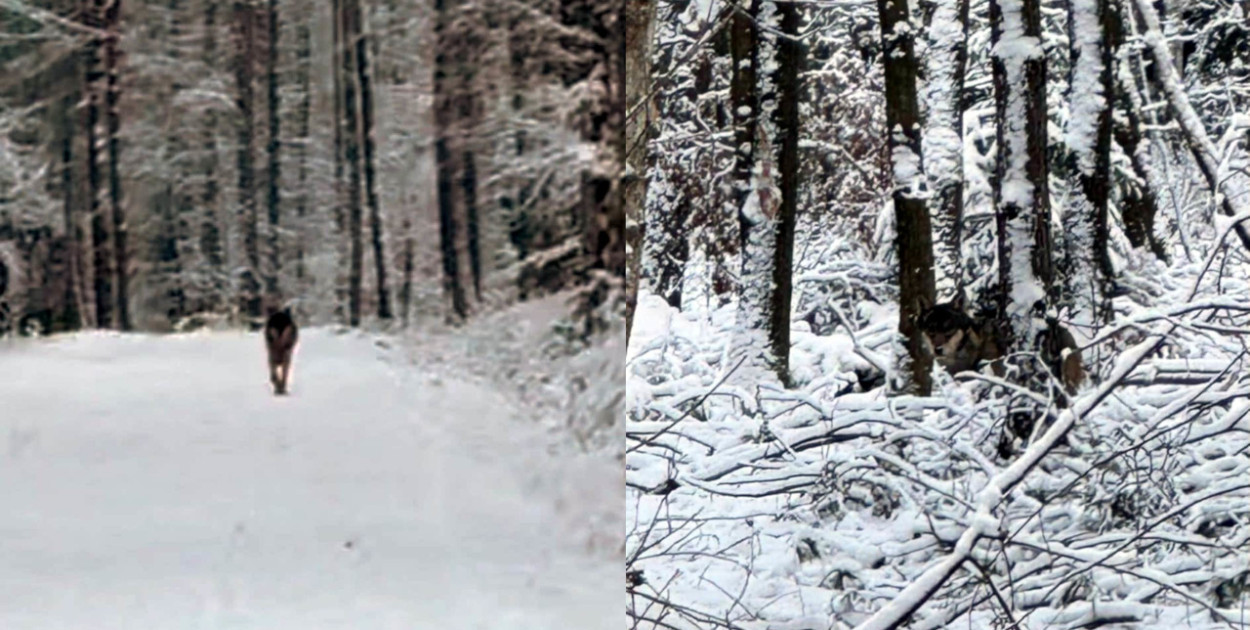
(281, 334)
(960, 342)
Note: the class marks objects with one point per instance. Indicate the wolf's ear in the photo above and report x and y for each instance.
(924, 303)
(961, 301)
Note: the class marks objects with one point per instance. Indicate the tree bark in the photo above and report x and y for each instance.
(245, 23)
(448, 167)
(366, 140)
(210, 228)
(1021, 190)
(273, 149)
(914, 232)
(72, 314)
(102, 258)
(639, 15)
(790, 64)
(943, 143)
(303, 118)
(351, 152)
(1091, 92)
(1195, 134)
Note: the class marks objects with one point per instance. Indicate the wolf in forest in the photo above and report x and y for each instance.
(281, 333)
(961, 343)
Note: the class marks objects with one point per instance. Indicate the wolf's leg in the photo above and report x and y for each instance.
(273, 373)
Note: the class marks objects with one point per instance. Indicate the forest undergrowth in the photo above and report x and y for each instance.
(753, 506)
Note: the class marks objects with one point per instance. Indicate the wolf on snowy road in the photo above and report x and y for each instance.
(280, 337)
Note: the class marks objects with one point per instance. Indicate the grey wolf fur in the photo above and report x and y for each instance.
(961, 343)
(281, 335)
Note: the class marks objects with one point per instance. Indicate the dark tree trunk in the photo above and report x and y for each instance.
(303, 117)
(112, 58)
(101, 259)
(790, 64)
(469, 190)
(245, 22)
(210, 228)
(174, 201)
(366, 140)
(340, 159)
(350, 32)
(273, 154)
(449, 170)
(405, 289)
(1138, 203)
(915, 244)
(72, 311)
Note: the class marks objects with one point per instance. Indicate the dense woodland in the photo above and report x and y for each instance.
(166, 163)
(808, 183)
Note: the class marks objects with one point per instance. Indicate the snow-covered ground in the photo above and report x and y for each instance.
(154, 481)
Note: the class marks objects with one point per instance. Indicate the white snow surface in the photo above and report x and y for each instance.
(154, 481)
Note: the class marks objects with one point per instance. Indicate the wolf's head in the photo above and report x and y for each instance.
(951, 334)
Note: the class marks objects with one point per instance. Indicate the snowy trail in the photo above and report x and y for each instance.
(154, 482)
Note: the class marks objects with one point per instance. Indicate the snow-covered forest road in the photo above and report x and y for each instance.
(155, 482)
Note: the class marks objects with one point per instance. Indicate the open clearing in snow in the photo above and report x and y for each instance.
(155, 482)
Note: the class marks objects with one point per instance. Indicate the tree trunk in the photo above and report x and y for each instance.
(445, 122)
(350, 32)
(342, 242)
(1091, 92)
(915, 240)
(468, 184)
(1138, 202)
(790, 65)
(405, 289)
(366, 140)
(943, 143)
(756, 199)
(1021, 191)
(1191, 126)
(639, 15)
(72, 312)
(210, 228)
(303, 118)
(273, 154)
(102, 259)
(665, 248)
(249, 290)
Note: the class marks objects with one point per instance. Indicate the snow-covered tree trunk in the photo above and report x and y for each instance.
(1138, 202)
(756, 195)
(914, 237)
(639, 17)
(664, 244)
(1088, 139)
(1204, 151)
(1021, 191)
(943, 141)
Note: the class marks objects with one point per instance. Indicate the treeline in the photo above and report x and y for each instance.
(360, 160)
